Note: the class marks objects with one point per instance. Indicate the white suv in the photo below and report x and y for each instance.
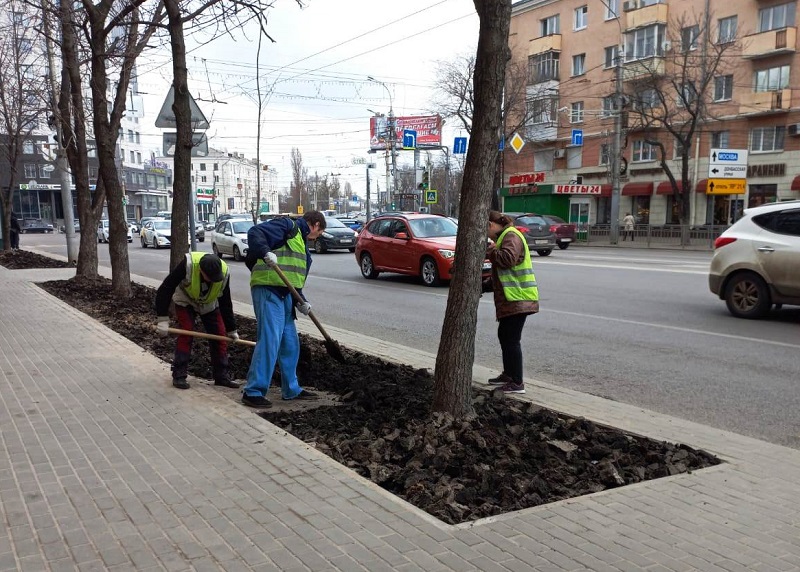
(756, 262)
(230, 237)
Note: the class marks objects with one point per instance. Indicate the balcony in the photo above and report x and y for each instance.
(644, 68)
(771, 43)
(544, 44)
(638, 16)
(765, 101)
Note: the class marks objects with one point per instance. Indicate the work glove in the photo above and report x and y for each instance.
(163, 326)
(271, 259)
(304, 308)
(234, 335)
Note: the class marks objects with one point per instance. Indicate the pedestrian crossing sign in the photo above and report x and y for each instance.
(431, 197)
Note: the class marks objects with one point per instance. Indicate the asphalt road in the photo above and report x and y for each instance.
(634, 325)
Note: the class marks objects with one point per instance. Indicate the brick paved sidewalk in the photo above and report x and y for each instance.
(103, 466)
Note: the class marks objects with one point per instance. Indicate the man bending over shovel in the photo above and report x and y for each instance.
(279, 243)
(199, 287)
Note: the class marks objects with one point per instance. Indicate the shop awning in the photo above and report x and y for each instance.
(702, 185)
(638, 189)
(796, 183)
(665, 187)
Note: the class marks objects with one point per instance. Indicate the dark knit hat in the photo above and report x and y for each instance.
(212, 266)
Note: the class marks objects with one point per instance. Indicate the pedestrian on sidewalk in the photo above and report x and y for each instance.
(14, 231)
(515, 296)
(199, 286)
(278, 243)
(629, 221)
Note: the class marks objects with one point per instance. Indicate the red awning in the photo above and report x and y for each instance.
(796, 183)
(638, 189)
(702, 185)
(665, 187)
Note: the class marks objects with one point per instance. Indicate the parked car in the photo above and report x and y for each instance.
(207, 226)
(30, 225)
(230, 237)
(756, 262)
(414, 244)
(103, 228)
(200, 232)
(156, 233)
(337, 236)
(76, 225)
(135, 226)
(351, 223)
(536, 230)
(564, 231)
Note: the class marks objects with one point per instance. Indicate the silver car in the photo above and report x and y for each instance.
(230, 237)
(756, 262)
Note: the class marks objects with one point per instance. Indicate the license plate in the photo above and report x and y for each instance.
(539, 242)
(487, 265)
(566, 240)
(346, 241)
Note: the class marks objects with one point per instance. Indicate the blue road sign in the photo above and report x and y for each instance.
(502, 146)
(577, 137)
(409, 139)
(460, 146)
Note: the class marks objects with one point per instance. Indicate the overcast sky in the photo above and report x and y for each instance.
(316, 71)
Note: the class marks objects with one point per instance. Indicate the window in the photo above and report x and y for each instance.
(202, 166)
(771, 79)
(132, 156)
(216, 166)
(130, 135)
(643, 151)
(122, 154)
(543, 160)
(574, 157)
(542, 110)
(543, 67)
(689, 37)
(27, 147)
(581, 17)
(608, 106)
(727, 29)
(687, 95)
(579, 64)
(550, 26)
(30, 170)
(216, 178)
(605, 154)
(723, 87)
(645, 99)
(612, 53)
(776, 17)
(138, 158)
(767, 138)
(203, 178)
(43, 174)
(720, 139)
(782, 222)
(576, 112)
(612, 9)
(645, 42)
(138, 137)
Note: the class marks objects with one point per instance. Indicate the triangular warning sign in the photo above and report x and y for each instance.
(166, 117)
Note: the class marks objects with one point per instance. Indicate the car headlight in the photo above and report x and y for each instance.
(244, 241)
(444, 253)
(327, 235)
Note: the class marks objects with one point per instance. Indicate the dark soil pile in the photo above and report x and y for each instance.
(512, 455)
(22, 259)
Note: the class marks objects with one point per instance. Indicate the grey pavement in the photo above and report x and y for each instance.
(104, 466)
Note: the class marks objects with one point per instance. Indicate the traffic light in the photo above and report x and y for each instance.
(392, 206)
(426, 180)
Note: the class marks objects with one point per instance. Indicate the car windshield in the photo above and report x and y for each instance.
(530, 220)
(433, 227)
(333, 223)
(242, 226)
(162, 225)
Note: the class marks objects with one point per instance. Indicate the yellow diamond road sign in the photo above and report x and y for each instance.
(726, 187)
(517, 143)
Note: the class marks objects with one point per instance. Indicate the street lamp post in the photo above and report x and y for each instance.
(392, 136)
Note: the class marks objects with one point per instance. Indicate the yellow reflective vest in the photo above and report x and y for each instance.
(291, 260)
(519, 282)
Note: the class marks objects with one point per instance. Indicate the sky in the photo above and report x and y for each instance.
(315, 72)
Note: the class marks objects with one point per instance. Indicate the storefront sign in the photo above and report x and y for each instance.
(768, 170)
(526, 190)
(578, 189)
(526, 179)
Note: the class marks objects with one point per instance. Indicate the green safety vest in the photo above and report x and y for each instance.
(291, 260)
(519, 282)
(191, 284)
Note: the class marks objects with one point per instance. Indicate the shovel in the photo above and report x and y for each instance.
(331, 346)
(206, 336)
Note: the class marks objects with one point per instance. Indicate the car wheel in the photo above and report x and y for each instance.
(201, 239)
(544, 252)
(747, 296)
(155, 243)
(430, 272)
(143, 241)
(563, 245)
(216, 251)
(367, 267)
(319, 248)
(237, 256)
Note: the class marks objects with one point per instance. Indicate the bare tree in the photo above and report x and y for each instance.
(453, 374)
(668, 99)
(22, 99)
(298, 179)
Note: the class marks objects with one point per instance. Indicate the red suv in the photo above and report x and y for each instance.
(564, 231)
(414, 244)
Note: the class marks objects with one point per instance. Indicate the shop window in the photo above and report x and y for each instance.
(641, 209)
(761, 195)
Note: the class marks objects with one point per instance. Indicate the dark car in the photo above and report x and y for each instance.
(30, 225)
(352, 223)
(564, 231)
(536, 230)
(337, 236)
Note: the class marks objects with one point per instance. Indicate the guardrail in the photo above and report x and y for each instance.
(697, 237)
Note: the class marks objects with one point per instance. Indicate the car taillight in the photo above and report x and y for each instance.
(522, 228)
(553, 227)
(722, 241)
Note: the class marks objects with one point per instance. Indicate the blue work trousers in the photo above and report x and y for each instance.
(276, 341)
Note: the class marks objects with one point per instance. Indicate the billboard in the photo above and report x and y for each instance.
(428, 128)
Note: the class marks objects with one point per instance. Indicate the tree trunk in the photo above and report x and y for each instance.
(453, 375)
(181, 176)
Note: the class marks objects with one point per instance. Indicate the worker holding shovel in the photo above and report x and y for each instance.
(278, 259)
(199, 287)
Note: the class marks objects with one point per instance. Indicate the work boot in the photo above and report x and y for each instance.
(180, 383)
(227, 382)
(257, 401)
(304, 394)
(501, 379)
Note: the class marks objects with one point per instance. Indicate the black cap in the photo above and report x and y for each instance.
(212, 266)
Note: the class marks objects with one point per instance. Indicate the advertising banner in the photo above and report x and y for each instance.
(428, 128)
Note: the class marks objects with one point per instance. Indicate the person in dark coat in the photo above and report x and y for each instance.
(14, 231)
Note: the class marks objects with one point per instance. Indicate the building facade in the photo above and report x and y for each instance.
(731, 61)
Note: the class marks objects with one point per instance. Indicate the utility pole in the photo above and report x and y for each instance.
(62, 165)
(616, 150)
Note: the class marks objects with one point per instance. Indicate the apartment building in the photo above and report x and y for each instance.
(745, 53)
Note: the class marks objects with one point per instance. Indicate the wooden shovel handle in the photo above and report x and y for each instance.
(299, 299)
(206, 336)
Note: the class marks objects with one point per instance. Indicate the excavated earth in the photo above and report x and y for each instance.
(375, 418)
